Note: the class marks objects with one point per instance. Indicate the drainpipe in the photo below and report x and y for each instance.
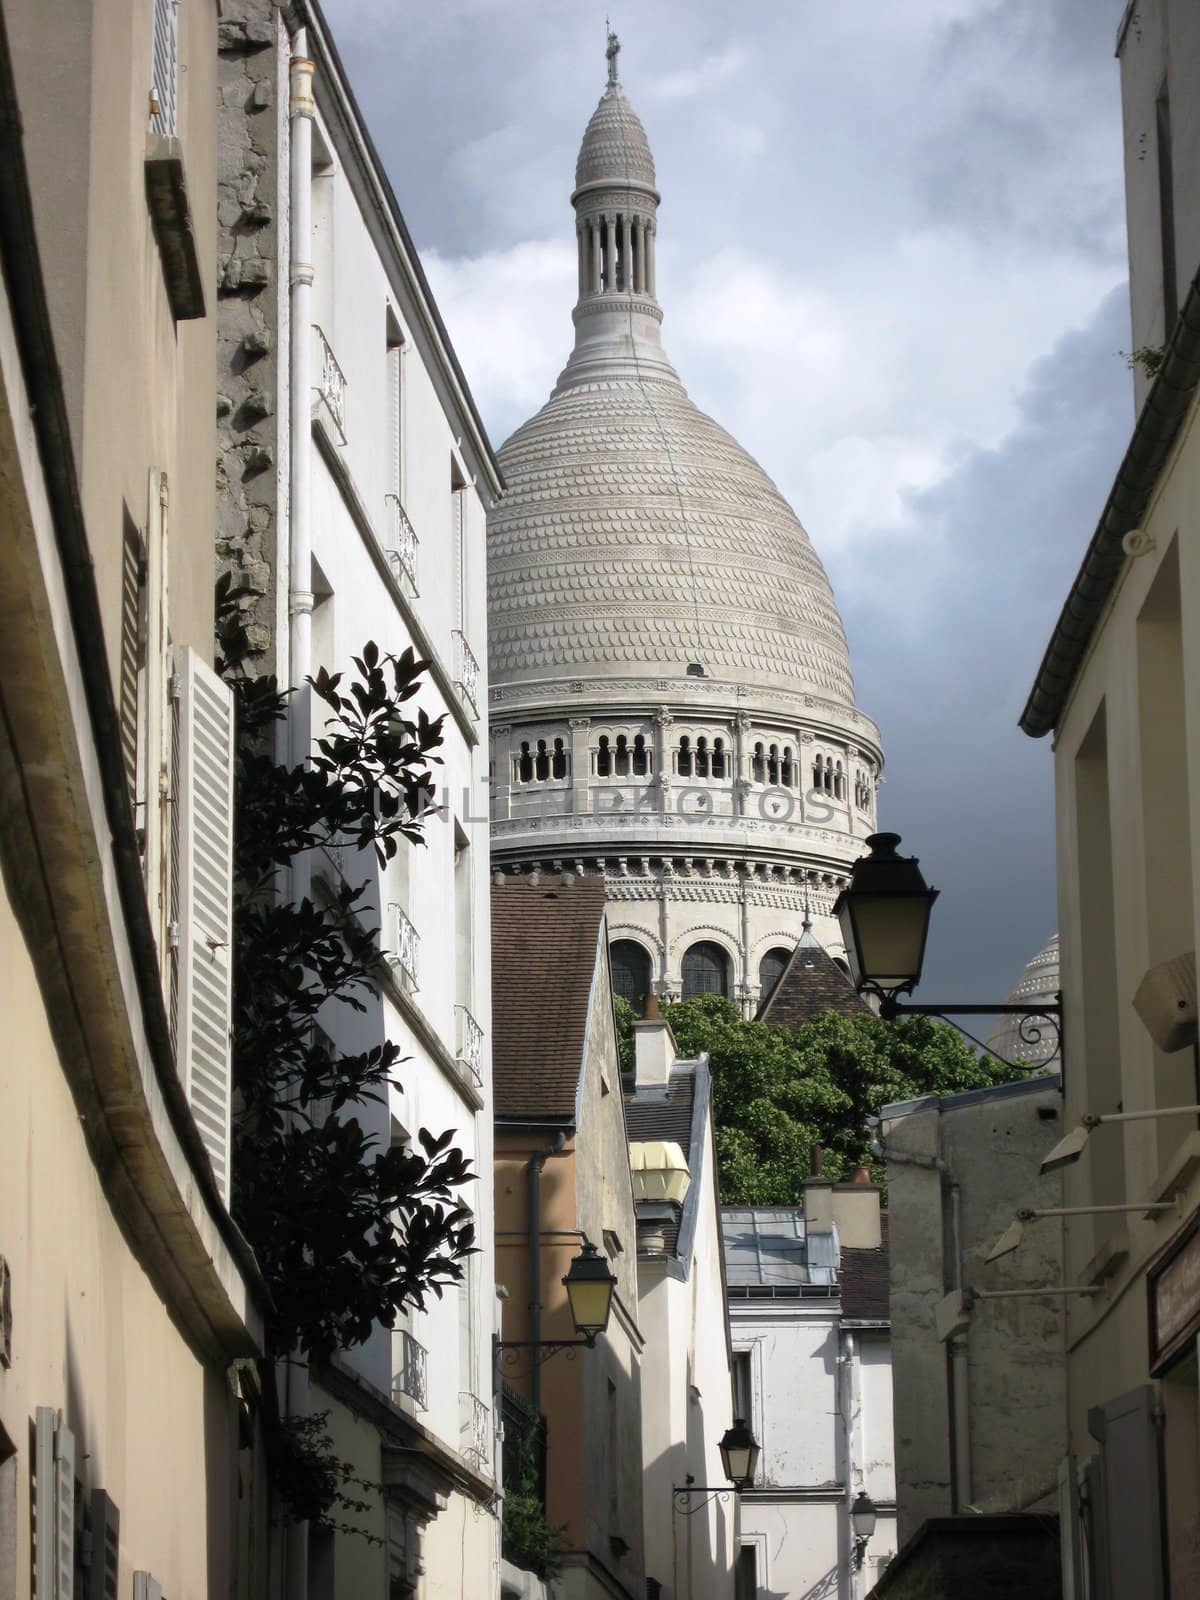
(959, 1385)
(300, 280)
(534, 1171)
(300, 277)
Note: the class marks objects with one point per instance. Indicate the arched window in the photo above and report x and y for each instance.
(839, 783)
(603, 758)
(758, 766)
(770, 970)
(705, 971)
(718, 758)
(525, 765)
(702, 757)
(621, 762)
(560, 765)
(787, 775)
(541, 766)
(773, 764)
(641, 757)
(630, 972)
(683, 763)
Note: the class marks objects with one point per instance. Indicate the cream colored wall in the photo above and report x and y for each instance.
(1146, 764)
(153, 1427)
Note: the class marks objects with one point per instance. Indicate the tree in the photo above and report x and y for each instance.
(777, 1092)
(347, 1230)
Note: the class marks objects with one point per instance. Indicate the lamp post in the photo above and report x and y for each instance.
(589, 1284)
(884, 915)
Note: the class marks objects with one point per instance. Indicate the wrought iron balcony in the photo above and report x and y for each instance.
(466, 672)
(401, 545)
(412, 1368)
(332, 384)
(475, 1430)
(406, 956)
(469, 1046)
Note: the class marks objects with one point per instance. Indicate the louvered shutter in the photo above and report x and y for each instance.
(44, 1521)
(64, 1513)
(164, 67)
(104, 1573)
(202, 851)
(131, 688)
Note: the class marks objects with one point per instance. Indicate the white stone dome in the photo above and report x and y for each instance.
(637, 535)
(1031, 1040)
(615, 148)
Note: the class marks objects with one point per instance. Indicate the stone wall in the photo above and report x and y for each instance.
(248, 322)
(989, 1558)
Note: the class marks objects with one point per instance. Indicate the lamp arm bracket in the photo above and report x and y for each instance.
(682, 1496)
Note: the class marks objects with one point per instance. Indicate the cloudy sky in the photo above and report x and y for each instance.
(891, 259)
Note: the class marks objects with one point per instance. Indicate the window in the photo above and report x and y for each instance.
(718, 758)
(641, 757)
(770, 970)
(458, 542)
(630, 972)
(164, 68)
(394, 477)
(603, 758)
(131, 689)
(758, 765)
(745, 1585)
(705, 971)
(743, 1385)
(683, 764)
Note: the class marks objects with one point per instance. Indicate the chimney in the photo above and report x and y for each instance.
(856, 1212)
(654, 1048)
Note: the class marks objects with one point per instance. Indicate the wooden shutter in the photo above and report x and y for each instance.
(64, 1513)
(1131, 1483)
(44, 1562)
(132, 666)
(202, 849)
(104, 1573)
(164, 67)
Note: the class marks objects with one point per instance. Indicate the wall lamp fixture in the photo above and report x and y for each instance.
(1015, 1232)
(589, 1284)
(884, 915)
(1072, 1145)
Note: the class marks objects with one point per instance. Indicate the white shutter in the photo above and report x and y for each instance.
(203, 851)
(146, 1587)
(64, 1513)
(44, 1526)
(164, 67)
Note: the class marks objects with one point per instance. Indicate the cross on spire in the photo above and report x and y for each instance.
(613, 51)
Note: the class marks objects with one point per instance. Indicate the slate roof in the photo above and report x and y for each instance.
(544, 943)
(812, 982)
(864, 1280)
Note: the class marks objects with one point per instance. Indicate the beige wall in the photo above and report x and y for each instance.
(1127, 766)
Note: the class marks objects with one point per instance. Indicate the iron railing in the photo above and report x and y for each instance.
(411, 1376)
(332, 388)
(401, 545)
(474, 1430)
(469, 1048)
(406, 956)
(467, 672)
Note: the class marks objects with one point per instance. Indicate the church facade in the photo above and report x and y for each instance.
(672, 705)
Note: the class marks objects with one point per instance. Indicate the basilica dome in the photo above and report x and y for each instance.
(1031, 1041)
(636, 536)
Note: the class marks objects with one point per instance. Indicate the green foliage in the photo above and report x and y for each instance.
(1149, 357)
(309, 1478)
(528, 1539)
(776, 1092)
(346, 1230)
(626, 1017)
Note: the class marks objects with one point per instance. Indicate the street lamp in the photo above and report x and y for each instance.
(589, 1285)
(862, 1520)
(739, 1454)
(884, 915)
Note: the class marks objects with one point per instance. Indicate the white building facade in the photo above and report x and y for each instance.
(808, 1312)
(356, 478)
(672, 701)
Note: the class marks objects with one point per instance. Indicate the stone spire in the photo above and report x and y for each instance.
(616, 206)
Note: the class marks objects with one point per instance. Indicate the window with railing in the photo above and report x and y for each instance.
(331, 382)
(466, 679)
(400, 543)
(411, 1375)
(405, 957)
(164, 68)
(469, 1046)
